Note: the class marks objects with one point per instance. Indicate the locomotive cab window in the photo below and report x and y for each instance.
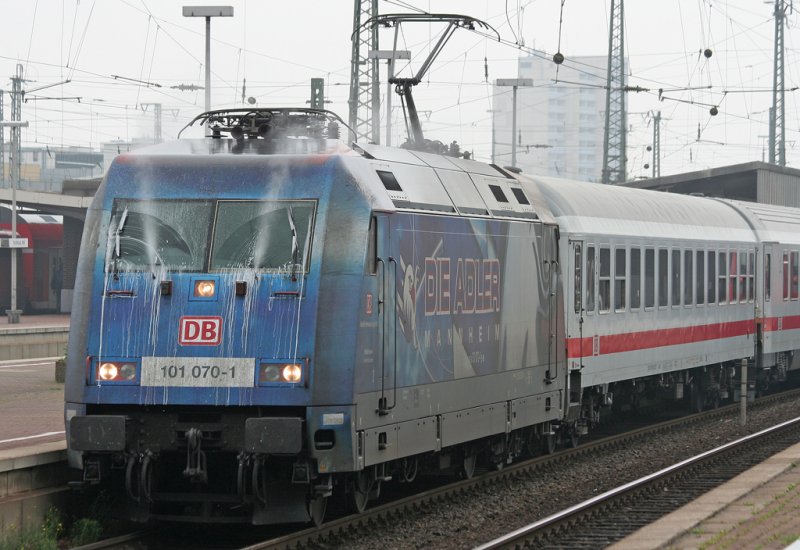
(144, 234)
(273, 236)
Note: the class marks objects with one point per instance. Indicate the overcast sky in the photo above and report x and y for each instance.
(121, 55)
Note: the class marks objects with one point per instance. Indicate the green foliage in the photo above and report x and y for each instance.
(85, 531)
(43, 538)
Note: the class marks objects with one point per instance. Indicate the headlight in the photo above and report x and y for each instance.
(116, 371)
(280, 373)
(292, 373)
(204, 289)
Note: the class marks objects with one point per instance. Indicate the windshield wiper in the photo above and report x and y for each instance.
(295, 248)
(122, 221)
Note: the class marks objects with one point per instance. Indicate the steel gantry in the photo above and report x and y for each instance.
(614, 138)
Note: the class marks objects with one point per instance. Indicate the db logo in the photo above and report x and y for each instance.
(200, 331)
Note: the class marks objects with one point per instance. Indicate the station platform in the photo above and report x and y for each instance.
(34, 336)
(756, 509)
(31, 401)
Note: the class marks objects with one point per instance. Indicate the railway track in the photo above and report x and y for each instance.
(336, 532)
(331, 534)
(610, 517)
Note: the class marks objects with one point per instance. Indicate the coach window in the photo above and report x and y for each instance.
(793, 280)
(688, 279)
(712, 277)
(722, 277)
(675, 269)
(733, 265)
(604, 281)
(785, 274)
(663, 278)
(767, 275)
(751, 276)
(636, 278)
(589, 279)
(619, 279)
(744, 273)
(700, 277)
(578, 278)
(649, 278)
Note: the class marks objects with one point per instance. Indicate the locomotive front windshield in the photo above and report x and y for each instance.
(271, 236)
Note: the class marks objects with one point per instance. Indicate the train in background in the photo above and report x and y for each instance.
(40, 266)
(266, 318)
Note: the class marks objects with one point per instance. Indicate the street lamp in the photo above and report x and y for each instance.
(208, 12)
(514, 83)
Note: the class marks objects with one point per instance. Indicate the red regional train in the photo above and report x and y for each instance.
(39, 265)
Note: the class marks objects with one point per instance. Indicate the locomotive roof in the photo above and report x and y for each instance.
(593, 208)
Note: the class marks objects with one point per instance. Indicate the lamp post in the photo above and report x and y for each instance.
(514, 83)
(208, 12)
(14, 242)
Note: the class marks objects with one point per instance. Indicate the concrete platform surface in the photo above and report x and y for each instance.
(31, 403)
(37, 321)
(757, 509)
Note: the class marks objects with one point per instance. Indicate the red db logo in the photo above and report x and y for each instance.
(200, 331)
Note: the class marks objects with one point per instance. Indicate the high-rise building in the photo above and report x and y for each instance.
(560, 119)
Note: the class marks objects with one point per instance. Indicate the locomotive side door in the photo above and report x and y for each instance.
(387, 269)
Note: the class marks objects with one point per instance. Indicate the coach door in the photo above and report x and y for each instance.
(576, 279)
(387, 270)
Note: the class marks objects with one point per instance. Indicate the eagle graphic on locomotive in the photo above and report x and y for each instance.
(266, 318)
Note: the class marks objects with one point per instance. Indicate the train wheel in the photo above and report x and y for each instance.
(410, 469)
(572, 438)
(316, 509)
(468, 466)
(360, 486)
(548, 443)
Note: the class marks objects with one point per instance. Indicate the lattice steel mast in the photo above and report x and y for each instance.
(364, 89)
(777, 114)
(616, 117)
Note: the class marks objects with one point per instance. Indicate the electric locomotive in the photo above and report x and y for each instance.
(266, 317)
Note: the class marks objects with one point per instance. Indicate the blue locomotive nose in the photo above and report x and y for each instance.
(205, 295)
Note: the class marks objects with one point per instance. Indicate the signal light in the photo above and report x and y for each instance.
(204, 289)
